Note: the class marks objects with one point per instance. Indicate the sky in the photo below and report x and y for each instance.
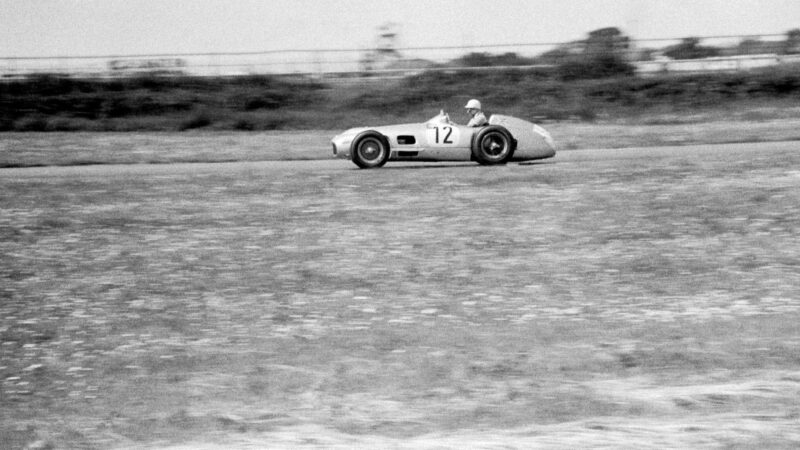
(122, 27)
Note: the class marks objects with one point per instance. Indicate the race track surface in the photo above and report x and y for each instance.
(712, 152)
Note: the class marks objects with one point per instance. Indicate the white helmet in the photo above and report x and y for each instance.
(473, 104)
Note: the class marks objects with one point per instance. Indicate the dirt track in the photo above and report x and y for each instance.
(606, 157)
(636, 297)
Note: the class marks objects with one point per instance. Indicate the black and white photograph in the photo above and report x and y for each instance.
(373, 224)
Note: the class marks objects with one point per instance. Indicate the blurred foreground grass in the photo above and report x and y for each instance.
(639, 298)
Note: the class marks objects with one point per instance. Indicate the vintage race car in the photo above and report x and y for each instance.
(504, 139)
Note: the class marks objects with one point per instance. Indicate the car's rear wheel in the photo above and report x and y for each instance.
(493, 145)
(370, 151)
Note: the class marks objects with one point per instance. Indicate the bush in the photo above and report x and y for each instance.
(267, 100)
(65, 124)
(602, 66)
(690, 48)
(781, 84)
(478, 59)
(199, 119)
(31, 123)
(244, 125)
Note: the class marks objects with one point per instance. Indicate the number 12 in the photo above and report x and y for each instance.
(446, 136)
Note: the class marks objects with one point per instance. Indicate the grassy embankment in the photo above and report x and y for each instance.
(49, 103)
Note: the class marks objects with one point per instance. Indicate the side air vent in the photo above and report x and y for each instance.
(406, 140)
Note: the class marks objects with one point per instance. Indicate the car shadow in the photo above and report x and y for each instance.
(428, 166)
(435, 165)
(450, 165)
(535, 163)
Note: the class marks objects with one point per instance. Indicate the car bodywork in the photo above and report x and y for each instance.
(504, 139)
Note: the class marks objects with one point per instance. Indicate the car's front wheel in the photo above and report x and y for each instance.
(370, 151)
(493, 145)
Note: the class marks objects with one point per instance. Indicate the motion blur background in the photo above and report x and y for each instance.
(122, 66)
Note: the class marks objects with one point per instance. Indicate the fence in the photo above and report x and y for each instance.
(648, 56)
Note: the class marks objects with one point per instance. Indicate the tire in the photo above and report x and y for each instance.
(493, 145)
(370, 150)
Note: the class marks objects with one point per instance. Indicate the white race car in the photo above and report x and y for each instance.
(504, 139)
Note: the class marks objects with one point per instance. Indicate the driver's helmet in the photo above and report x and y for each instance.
(473, 104)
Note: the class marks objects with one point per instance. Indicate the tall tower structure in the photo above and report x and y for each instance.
(385, 51)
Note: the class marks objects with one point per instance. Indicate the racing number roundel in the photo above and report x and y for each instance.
(443, 136)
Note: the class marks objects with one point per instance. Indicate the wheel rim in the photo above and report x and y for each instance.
(370, 150)
(494, 145)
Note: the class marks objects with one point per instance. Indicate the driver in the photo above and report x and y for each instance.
(474, 109)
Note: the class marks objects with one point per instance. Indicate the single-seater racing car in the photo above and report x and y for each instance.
(503, 139)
